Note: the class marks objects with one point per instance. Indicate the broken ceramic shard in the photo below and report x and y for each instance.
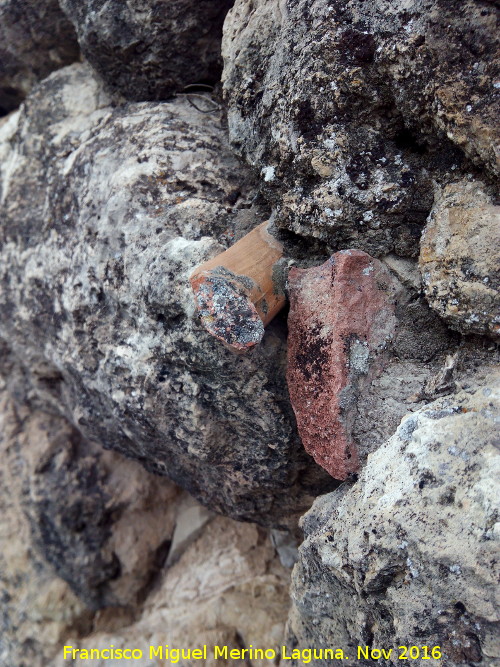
(237, 293)
(341, 319)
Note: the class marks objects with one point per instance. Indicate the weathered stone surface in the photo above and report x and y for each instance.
(227, 585)
(227, 589)
(349, 110)
(35, 39)
(150, 49)
(34, 603)
(104, 214)
(190, 521)
(102, 522)
(342, 318)
(409, 554)
(459, 253)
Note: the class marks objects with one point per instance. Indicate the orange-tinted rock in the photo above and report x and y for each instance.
(341, 319)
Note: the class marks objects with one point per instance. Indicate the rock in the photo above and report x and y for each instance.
(102, 522)
(405, 269)
(226, 586)
(228, 589)
(104, 214)
(342, 317)
(36, 38)
(407, 556)
(34, 603)
(459, 258)
(348, 111)
(286, 546)
(190, 521)
(149, 50)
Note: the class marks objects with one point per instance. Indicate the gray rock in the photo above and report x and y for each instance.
(348, 110)
(150, 49)
(459, 254)
(35, 39)
(190, 521)
(408, 555)
(104, 214)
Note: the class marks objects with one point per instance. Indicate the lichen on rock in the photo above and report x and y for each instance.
(348, 110)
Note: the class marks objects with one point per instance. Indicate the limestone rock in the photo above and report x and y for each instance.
(459, 255)
(342, 318)
(348, 110)
(226, 586)
(35, 39)
(408, 555)
(227, 589)
(190, 521)
(102, 522)
(34, 602)
(150, 49)
(104, 214)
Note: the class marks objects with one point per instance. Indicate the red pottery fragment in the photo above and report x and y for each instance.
(341, 320)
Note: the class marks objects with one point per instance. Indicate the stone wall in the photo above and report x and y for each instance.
(154, 485)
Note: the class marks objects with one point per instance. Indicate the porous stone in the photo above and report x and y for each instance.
(408, 555)
(342, 318)
(150, 49)
(105, 212)
(459, 253)
(35, 39)
(349, 111)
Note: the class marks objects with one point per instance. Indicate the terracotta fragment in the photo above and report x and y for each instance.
(238, 292)
(341, 319)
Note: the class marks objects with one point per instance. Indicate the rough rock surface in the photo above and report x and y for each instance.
(104, 214)
(226, 586)
(102, 522)
(35, 39)
(150, 49)
(459, 258)
(80, 529)
(342, 318)
(409, 554)
(349, 110)
(227, 589)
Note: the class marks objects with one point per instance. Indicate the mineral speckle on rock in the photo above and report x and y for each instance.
(348, 110)
(366, 131)
(67, 507)
(459, 254)
(105, 214)
(85, 507)
(147, 49)
(414, 543)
